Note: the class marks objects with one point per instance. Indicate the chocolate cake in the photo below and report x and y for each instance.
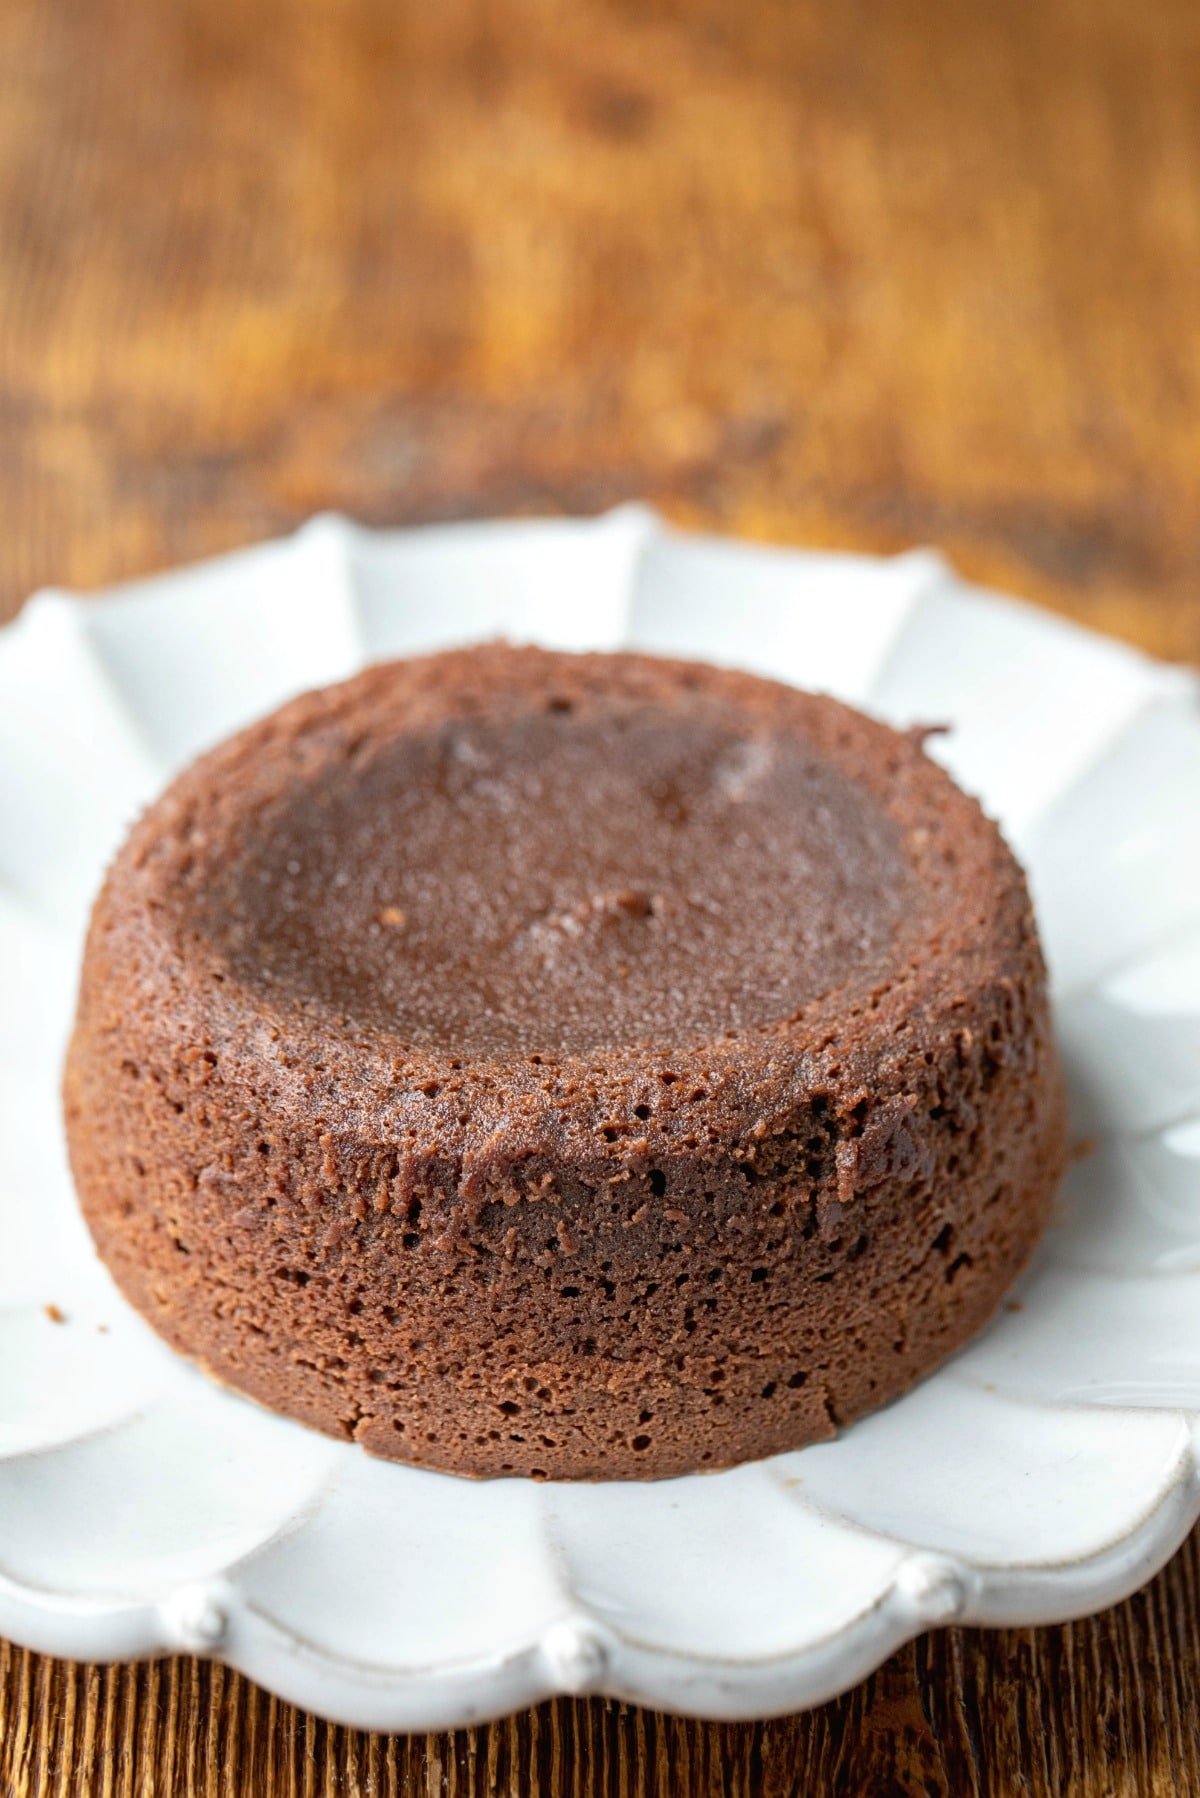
(594, 1066)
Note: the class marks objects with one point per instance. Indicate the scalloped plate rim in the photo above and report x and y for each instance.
(212, 1618)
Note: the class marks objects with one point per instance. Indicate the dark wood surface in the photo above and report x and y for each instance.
(867, 274)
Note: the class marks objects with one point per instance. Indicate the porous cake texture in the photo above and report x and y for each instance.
(568, 1066)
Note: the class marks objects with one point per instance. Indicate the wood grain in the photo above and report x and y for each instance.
(872, 273)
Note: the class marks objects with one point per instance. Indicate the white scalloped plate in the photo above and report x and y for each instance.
(1047, 1471)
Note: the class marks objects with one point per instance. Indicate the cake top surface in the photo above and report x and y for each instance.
(581, 877)
(482, 866)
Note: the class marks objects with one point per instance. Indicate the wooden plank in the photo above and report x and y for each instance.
(857, 274)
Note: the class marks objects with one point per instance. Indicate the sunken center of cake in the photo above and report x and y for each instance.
(561, 882)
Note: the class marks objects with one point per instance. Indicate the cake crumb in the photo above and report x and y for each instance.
(55, 1314)
(921, 733)
(1085, 1146)
(393, 917)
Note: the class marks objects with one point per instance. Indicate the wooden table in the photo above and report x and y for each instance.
(868, 274)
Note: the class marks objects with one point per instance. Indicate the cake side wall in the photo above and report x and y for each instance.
(658, 1303)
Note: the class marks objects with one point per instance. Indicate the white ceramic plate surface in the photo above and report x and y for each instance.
(1047, 1471)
